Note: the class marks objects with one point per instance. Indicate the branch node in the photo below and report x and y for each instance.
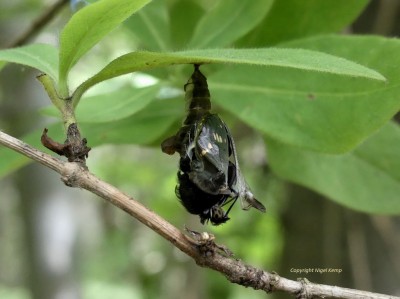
(304, 293)
(74, 148)
(71, 173)
(204, 242)
(273, 281)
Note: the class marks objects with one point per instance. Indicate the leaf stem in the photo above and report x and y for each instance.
(64, 105)
(51, 90)
(63, 85)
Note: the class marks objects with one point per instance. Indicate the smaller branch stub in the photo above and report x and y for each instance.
(74, 148)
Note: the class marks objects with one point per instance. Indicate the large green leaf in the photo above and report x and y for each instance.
(316, 111)
(111, 106)
(151, 26)
(292, 19)
(366, 179)
(227, 21)
(287, 58)
(87, 27)
(39, 56)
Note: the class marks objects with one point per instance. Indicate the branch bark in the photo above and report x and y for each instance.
(203, 250)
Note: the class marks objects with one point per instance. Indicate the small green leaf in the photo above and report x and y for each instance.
(39, 56)
(151, 26)
(111, 106)
(227, 21)
(367, 179)
(87, 27)
(293, 19)
(287, 58)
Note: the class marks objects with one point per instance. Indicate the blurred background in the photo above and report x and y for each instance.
(58, 242)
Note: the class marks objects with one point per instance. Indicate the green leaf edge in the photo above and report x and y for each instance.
(71, 48)
(355, 154)
(140, 61)
(48, 68)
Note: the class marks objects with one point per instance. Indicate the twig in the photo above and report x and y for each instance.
(74, 175)
(39, 23)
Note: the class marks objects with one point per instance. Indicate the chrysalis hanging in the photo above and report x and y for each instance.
(209, 176)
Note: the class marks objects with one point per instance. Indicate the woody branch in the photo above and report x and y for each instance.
(204, 252)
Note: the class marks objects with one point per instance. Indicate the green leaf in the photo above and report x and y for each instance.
(367, 179)
(293, 19)
(111, 106)
(151, 26)
(87, 27)
(287, 58)
(227, 21)
(144, 127)
(183, 17)
(316, 111)
(382, 150)
(39, 56)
